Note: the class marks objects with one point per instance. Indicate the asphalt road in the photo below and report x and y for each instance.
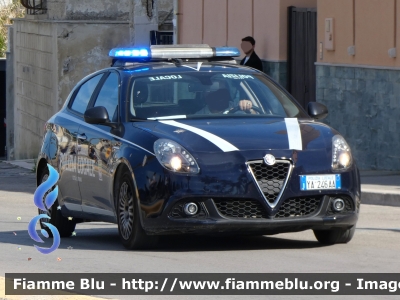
(96, 248)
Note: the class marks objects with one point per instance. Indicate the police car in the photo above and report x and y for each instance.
(182, 140)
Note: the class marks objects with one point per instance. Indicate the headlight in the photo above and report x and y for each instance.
(341, 154)
(174, 157)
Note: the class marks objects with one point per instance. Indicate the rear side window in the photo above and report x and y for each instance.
(84, 94)
(108, 96)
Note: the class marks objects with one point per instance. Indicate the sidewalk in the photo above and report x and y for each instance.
(380, 187)
(26, 164)
(377, 187)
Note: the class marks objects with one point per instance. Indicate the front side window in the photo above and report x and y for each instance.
(84, 94)
(205, 94)
(108, 96)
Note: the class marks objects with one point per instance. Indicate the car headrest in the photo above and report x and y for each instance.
(218, 100)
(140, 93)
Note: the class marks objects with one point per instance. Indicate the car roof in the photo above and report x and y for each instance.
(158, 67)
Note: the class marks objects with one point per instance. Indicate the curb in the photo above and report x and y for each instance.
(29, 165)
(380, 199)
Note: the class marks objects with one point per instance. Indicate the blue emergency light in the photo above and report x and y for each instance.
(130, 52)
(227, 51)
(174, 51)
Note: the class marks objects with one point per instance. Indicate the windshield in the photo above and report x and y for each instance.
(205, 94)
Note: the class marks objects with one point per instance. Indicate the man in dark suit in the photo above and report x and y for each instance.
(251, 59)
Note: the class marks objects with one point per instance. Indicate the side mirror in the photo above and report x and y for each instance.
(317, 111)
(96, 115)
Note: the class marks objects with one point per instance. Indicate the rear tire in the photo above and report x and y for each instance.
(335, 236)
(64, 226)
(130, 229)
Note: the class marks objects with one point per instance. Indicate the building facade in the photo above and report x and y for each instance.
(225, 23)
(357, 68)
(358, 76)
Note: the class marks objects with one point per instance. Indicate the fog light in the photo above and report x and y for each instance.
(190, 209)
(338, 205)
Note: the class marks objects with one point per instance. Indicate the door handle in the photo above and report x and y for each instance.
(82, 137)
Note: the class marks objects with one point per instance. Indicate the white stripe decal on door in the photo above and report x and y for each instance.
(217, 141)
(294, 134)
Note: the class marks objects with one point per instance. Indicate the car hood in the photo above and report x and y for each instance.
(245, 134)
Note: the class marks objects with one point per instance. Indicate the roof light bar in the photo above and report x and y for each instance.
(174, 51)
(227, 51)
(182, 51)
(130, 52)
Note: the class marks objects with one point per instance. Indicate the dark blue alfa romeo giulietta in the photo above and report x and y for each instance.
(181, 140)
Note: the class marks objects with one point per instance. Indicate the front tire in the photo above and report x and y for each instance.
(64, 226)
(130, 229)
(335, 236)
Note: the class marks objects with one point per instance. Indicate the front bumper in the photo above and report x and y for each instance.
(231, 200)
(212, 220)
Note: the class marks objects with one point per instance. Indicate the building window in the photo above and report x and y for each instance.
(34, 7)
(149, 8)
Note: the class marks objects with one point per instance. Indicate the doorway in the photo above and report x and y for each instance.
(302, 54)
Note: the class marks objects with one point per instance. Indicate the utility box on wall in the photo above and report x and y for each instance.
(329, 34)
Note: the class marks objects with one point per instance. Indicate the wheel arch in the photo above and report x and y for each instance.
(121, 166)
(40, 165)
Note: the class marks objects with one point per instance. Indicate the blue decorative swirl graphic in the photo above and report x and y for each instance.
(44, 187)
(49, 201)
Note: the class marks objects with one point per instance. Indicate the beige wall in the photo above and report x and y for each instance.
(226, 22)
(215, 32)
(370, 27)
(190, 22)
(266, 29)
(240, 23)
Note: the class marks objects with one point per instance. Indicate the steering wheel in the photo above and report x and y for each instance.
(237, 108)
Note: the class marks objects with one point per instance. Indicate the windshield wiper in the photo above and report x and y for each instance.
(137, 120)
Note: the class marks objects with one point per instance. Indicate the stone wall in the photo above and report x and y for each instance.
(50, 57)
(364, 105)
(88, 9)
(82, 51)
(165, 15)
(10, 96)
(277, 70)
(51, 52)
(34, 84)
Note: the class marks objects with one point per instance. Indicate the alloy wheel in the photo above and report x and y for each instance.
(126, 210)
(49, 209)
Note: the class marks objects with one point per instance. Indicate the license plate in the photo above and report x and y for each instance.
(320, 182)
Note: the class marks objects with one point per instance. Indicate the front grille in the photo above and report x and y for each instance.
(240, 208)
(298, 207)
(348, 208)
(270, 179)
